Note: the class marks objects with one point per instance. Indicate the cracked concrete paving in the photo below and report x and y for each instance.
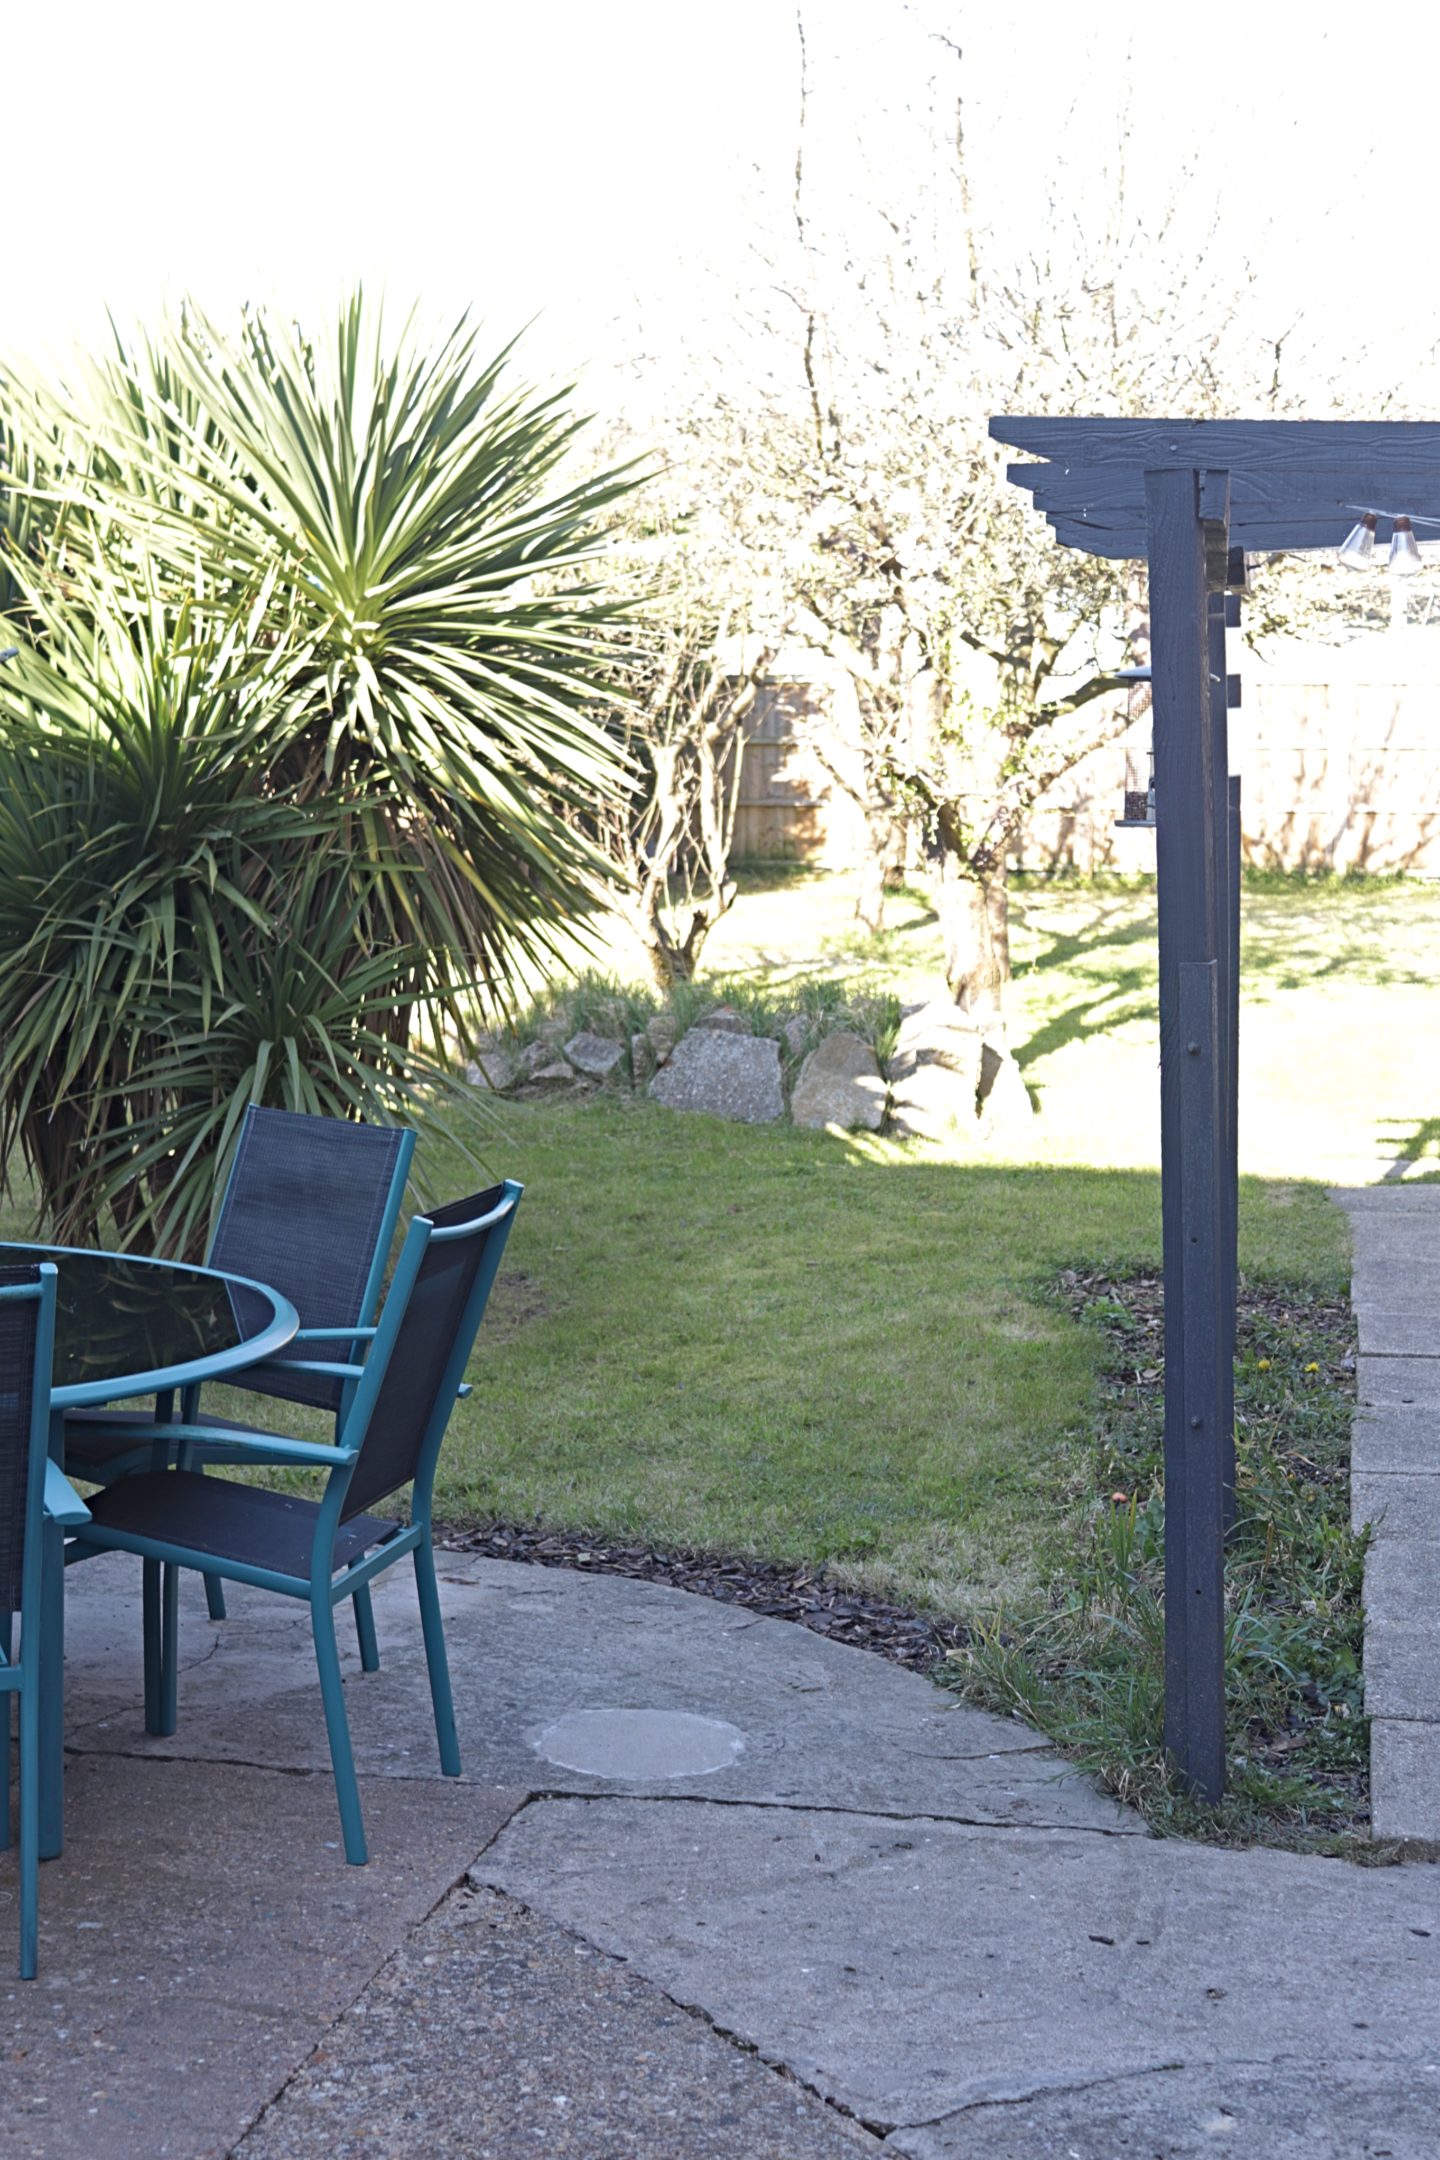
(888, 1921)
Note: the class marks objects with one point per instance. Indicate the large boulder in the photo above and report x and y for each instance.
(597, 1056)
(935, 1072)
(730, 1076)
(840, 1084)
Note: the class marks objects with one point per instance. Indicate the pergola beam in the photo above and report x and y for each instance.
(1402, 451)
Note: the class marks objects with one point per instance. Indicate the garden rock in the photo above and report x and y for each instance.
(796, 1031)
(663, 1033)
(642, 1057)
(597, 1056)
(1004, 1098)
(493, 1068)
(535, 1056)
(730, 1076)
(726, 1019)
(556, 1074)
(840, 1084)
(935, 1072)
(932, 1103)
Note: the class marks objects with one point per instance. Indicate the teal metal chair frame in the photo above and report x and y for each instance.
(21, 1671)
(326, 1585)
(348, 1341)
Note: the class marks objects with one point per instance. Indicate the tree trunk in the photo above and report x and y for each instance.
(975, 923)
(881, 866)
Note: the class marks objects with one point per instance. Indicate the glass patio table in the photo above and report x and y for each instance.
(125, 1326)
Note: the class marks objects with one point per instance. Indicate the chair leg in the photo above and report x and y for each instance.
(436, 1661)
(365, 1630)
(150, 1610)
(215, 1597)
(29, 1827)
(169, 1649)
(337, 1726)
(7, 1624)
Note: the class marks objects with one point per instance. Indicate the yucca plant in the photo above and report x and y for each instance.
(436, 579)
(298, 746)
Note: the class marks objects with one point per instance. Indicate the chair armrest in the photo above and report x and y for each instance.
(334, 1334)
(463, 1390)
(270, 1447)
(310, 1365)
(62, 1503)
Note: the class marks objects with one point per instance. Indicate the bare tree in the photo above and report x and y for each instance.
(692, 686)
(840, 443)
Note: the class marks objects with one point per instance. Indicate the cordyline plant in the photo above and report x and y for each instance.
(297, 750)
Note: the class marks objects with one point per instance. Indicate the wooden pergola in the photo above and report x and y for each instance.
(1193, 498)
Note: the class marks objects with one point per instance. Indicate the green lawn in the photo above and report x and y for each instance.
(805, 1347)
(799, 1346)
(787, 1344)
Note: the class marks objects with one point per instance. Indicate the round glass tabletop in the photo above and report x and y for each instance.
(125, 1325)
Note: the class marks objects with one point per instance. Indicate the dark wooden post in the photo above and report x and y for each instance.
(1192, 901)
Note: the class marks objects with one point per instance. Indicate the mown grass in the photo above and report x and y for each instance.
(781, 1343)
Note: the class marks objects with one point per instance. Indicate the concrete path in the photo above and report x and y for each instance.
(712, 1886)
(1395, 1487)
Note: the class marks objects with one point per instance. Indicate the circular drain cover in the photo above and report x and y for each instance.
(640, 1743)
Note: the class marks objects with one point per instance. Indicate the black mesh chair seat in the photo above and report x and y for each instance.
(230, 1522)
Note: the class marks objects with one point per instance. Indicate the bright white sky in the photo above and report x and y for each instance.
(579, 163)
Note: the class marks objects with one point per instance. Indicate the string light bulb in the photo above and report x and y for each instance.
(1404, 549)
(1357, 550)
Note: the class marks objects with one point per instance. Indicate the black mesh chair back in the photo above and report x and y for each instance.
(19, 1323)
(433, 1341)
(309, 1205)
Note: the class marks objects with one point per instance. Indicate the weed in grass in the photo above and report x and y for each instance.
(1085, 1661)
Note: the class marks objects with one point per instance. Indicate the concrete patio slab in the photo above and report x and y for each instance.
(908, 1971)
(495, 2035)
(1402, 1507)
(1395, 1487)
(198, 1938)
(744, 1958)
(1405, 1777)
(1383, 1383)
(821, 1725)
(1390, 1330)
(1224, 2111)
(1402, 1437)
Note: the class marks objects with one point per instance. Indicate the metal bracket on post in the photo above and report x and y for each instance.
(1199, 1576)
